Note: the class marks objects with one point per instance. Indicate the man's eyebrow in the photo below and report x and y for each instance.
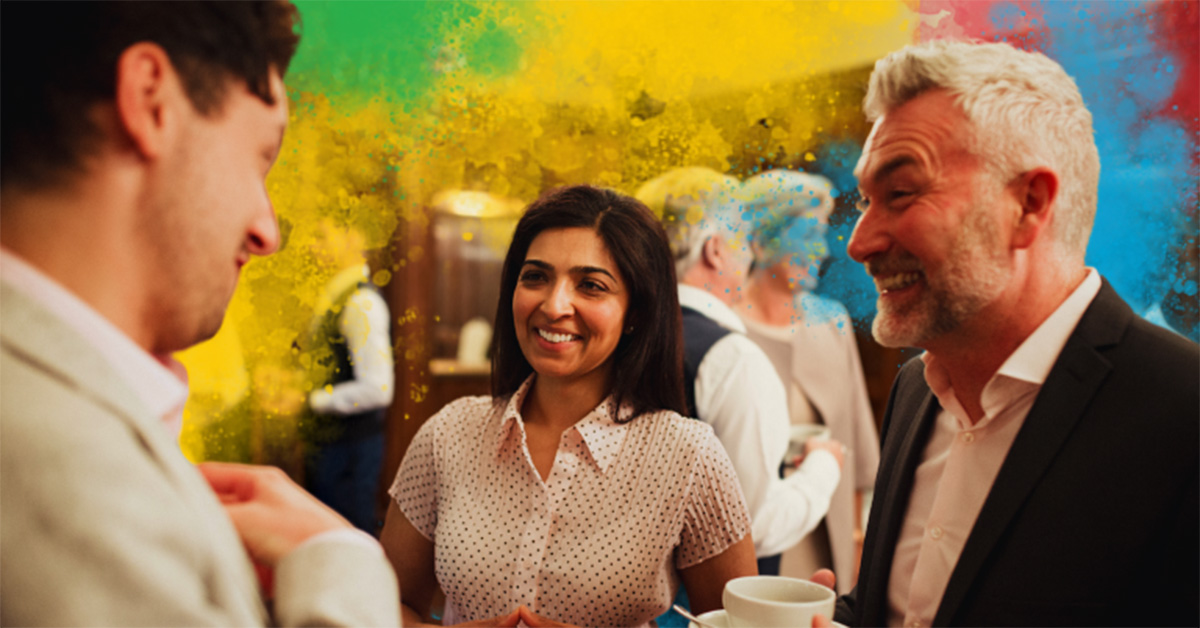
(892, 165)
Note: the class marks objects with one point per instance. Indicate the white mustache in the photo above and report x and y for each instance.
(904, 263)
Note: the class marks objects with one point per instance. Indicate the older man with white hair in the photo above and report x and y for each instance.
(1040, 460)
(730, 383)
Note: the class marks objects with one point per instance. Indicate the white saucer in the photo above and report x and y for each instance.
(719, 619)
(716, 618)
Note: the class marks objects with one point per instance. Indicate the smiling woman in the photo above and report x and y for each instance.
(569, 308)
(577, 492)
(616, 250)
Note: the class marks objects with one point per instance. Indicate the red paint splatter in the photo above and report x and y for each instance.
(1021, 23)
(1178, 34)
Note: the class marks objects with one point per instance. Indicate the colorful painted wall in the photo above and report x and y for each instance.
(393, 102)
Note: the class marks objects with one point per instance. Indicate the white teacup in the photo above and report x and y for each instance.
(770, 601)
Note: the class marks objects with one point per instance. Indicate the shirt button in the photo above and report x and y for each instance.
(935, 533)
(529, 563)
(968, 437)
(914, 624)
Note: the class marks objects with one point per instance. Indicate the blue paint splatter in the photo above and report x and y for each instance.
(844, 279)
(1145, 159)
(1006, 16)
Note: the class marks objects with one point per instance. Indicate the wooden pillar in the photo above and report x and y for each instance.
(409, 296)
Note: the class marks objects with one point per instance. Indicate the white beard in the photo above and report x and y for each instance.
(973, 276)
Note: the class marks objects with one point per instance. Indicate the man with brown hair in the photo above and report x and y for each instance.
(136, 139)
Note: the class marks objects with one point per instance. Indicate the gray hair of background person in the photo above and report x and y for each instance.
(694, 204)
(774, 199)
(1025, 112)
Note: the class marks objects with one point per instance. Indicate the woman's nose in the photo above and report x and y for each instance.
(558, 301)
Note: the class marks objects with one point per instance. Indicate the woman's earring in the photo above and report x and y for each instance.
(629, 330)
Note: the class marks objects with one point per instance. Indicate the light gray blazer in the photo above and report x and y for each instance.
(821, 359)
(104, 522)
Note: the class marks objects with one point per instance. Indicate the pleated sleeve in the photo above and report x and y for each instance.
(715, 515)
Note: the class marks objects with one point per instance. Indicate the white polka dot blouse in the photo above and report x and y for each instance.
(599, 542)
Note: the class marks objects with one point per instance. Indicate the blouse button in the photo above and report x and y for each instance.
(968, 437)
(935, 533)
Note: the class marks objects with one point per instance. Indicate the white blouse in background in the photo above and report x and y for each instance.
(599, 542)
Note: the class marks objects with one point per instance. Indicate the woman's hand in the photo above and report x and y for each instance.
(522, 614)
(534, 620)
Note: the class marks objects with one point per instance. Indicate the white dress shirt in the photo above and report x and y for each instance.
(365, 325)
(961, 461)
(739, 394)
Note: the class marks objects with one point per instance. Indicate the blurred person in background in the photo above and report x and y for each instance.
(136, 141)
(350, 342)
(730, 383)
(577, 492)
(810, 341)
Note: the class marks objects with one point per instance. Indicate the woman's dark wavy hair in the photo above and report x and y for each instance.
(648, 361)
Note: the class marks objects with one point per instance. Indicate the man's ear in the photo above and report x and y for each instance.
(147, 89)
(713, 252)
(1036, 192)
(757, 252)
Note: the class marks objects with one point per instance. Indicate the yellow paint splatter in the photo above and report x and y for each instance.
(599, 95)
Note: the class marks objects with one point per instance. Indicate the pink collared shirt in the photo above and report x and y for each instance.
(159, 382)
(961, 462)
(599, 542)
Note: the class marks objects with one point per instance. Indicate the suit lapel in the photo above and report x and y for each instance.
(38, 337)
(914, 400)
(1072, 382)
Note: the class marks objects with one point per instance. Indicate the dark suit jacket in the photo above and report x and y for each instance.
(1094, 517)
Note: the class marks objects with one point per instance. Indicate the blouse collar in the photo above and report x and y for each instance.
(600, 429)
